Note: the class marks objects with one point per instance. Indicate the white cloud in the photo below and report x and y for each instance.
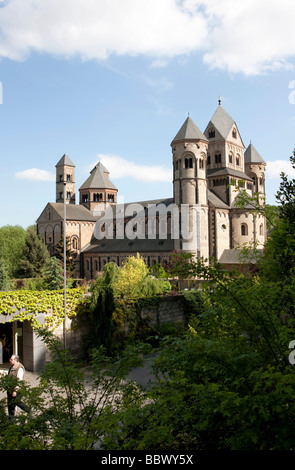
(34, 174)
(118, 167)
(96, 29)
(275, 168)
(251, 37)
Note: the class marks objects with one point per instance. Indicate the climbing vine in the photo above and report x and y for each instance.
(26, 304)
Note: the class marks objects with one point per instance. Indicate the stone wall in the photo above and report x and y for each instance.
(170, 309)
(72, 337)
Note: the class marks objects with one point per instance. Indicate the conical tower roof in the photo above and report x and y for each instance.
(189, 131)
(98, 179)
(252, 156)
(65, 160)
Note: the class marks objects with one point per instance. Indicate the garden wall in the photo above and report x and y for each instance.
(170, 309)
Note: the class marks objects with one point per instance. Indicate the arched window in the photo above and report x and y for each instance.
(201, 163)
(261, 229)
(244, 229)
(234, 133)
(75, 243)
(188, 163)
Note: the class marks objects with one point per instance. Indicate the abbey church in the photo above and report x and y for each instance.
(202, 217)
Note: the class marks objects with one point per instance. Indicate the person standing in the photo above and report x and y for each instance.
(17, 370)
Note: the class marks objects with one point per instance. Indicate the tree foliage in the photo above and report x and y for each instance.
(70, 255)
(12, 243)
(34, 255)
(72, 408)
(4, 277)
(53, 274)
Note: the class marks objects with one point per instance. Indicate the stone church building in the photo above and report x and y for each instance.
(202, 216)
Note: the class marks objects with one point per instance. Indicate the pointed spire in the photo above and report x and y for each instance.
(98, 179)
(189, 131)
(252, 156)
(65, 160)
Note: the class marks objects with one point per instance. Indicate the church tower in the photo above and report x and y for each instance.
(65, 177)
(98, 192)
(255, 168)
(189, 148)
(225, 161)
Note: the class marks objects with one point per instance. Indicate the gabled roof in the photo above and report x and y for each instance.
(228, 172)
(65, 160)
(223, 122)
(98, 179)
(189, 131)
(252, 156)
(73, 212)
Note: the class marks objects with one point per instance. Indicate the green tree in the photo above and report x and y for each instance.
(12, 243)
(134, 280)
(53, 274)
(72, 408)
(34, 255)
(70, 255)
(4, 277)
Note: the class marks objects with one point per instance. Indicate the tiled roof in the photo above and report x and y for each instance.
(65, 160)
(229, 172)
(189, 131)
(252, 156)
(98, 179)
(223, 122)
(73, 212)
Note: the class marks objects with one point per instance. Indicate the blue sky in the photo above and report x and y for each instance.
(114, 80)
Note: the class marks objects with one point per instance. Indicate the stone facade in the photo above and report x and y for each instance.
(209, 170)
